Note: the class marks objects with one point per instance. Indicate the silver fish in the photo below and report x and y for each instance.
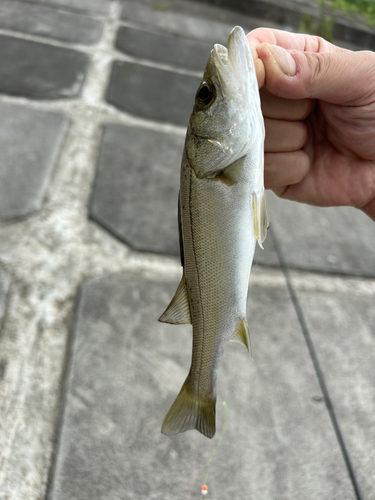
(222, 211)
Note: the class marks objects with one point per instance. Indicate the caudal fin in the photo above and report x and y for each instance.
(190, 412)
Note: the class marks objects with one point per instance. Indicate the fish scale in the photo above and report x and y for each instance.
(222, 212)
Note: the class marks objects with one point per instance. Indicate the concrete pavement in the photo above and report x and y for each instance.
(90, 145)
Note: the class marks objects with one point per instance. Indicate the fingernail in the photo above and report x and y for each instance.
(284, 60)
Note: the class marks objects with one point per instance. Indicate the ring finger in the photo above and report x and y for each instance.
(283, 136)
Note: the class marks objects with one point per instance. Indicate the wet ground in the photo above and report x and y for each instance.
(94, 100)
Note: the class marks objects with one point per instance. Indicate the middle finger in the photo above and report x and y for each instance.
(277, 107)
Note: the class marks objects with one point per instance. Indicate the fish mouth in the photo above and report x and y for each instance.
(237, 39)
(237, 44)
(220, 54)
(220, 61)
(234, 60)
(239, 51)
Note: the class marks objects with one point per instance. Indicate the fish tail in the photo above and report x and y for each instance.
(189, 411)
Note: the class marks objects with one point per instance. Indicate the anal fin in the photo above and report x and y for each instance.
(241, 335)
(260, 216)
(178, 311)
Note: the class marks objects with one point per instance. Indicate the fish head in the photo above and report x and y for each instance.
(226, 119)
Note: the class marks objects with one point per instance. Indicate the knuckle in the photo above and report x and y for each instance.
(320, 70)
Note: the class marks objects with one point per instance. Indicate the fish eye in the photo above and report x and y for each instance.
(205, 95)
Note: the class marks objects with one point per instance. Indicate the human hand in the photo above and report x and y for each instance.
(318, 101)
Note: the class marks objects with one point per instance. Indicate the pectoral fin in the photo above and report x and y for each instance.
(241, 335)
(232, 173)
(260, 216)
(178, 311)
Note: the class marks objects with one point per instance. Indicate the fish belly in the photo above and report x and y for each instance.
(218, 250)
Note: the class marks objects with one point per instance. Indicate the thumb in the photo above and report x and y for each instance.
(344, 77)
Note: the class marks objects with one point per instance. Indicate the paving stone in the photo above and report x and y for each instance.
(173, 50)
(343, 333)
(266, 256)
(136, 187)
(335, 239)
(40, 71)
(29, 142)
(4, 287)
(152, 93)
(176, 23)
(125, 371)
(99, 6)
(49, 22)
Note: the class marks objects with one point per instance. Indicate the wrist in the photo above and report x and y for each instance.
(369, 209)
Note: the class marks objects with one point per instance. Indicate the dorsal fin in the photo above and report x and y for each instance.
(181, 241)
(241, 335)
(178, 311)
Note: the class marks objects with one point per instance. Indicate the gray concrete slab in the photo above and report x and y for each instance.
(213, 16)
(267, 255)
(176, 23)
(335, 239)
(152, 93)
(38, 70)
(29, 143)
(126, 369)
(173, 50)
(4, 287)
(343, 332)
(136, 187)
(97, 6)
(350, 28)
(49, 22)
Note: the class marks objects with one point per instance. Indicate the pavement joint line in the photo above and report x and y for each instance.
(9, 411)
(98, 73)
(309, 282)
(348, 286)
(66, 377)
(318, 370)
(63, 396)
(8, 287)
(88, 49)
(153, 64)
(334, 273)
(107, 113)
(94, 50)
(155, 30)
(70, 10)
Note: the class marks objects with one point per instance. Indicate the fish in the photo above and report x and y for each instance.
(222, 212)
